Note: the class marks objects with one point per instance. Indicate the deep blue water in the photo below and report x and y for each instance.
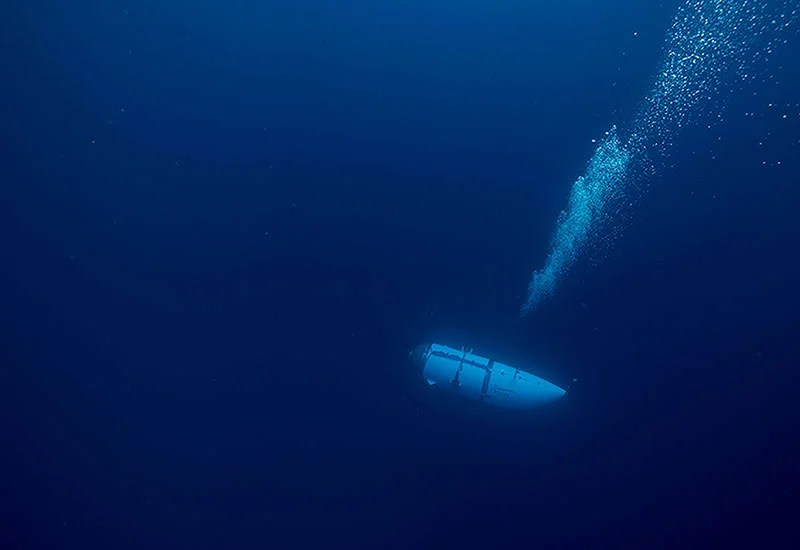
(225, 224)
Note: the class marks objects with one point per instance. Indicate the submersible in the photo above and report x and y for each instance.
(482, 379)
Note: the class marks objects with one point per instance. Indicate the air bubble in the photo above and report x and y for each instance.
(709, 42)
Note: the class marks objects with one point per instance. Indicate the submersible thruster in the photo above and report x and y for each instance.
(482, 379)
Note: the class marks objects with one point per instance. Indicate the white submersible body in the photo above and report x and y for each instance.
(482, 379)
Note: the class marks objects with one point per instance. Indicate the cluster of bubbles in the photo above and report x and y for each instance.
(593, 196)
(710, 44)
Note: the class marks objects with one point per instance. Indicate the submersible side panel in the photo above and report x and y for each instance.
(511, 387)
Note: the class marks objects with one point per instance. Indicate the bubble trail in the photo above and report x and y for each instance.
(709, 43)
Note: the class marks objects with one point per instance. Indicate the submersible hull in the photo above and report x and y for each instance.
(482, 379)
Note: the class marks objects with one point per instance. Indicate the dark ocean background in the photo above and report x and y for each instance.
(226, 224)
